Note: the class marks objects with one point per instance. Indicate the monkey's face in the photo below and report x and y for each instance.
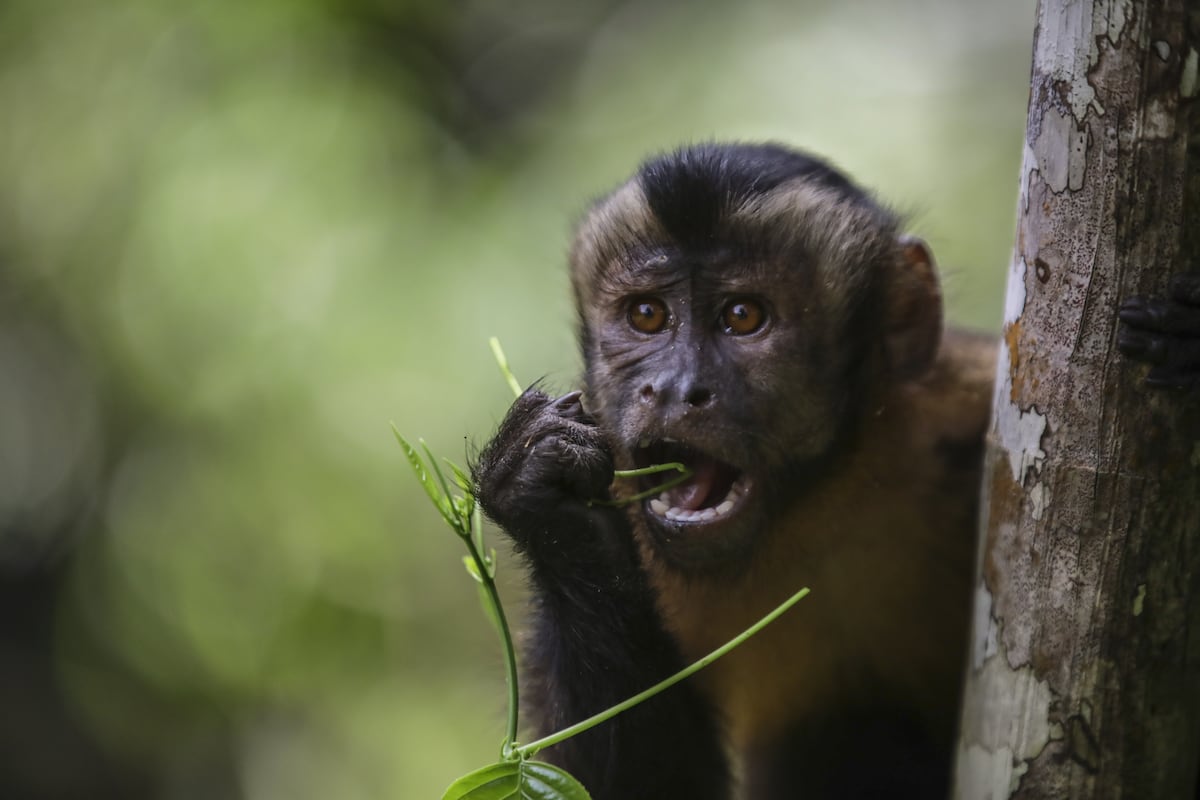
(739, 326)
(710, 360)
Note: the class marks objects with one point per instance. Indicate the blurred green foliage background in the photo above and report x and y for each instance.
(237, 239)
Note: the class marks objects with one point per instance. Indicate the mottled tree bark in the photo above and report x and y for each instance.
(1084, 674)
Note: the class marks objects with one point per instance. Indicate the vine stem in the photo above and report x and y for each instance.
(529, 750)
(502, 363)
(508, 752)
(510, 653)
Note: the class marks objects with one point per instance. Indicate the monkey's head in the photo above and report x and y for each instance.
(741, 308)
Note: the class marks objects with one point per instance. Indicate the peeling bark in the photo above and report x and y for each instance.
(1084, 673)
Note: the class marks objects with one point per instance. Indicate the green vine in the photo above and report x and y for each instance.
(517, 774)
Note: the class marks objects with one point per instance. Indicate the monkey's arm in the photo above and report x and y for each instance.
(1165, 333)
(596, 636)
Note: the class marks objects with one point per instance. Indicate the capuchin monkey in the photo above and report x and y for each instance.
(750, 312)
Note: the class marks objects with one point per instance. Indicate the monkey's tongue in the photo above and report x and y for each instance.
(710, 489)
(692, 493)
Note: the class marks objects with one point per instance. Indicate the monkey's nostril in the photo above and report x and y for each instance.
(647, 393)
(698, 397)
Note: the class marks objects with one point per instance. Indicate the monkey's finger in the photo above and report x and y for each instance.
(530, 399)
(1172, 378)
(570, 407)
(1135, 311)
(568, 400)
(1159, 315)
(1142, 345)
(587, 471)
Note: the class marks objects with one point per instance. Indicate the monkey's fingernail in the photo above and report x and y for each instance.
(1131, 311)
(1130, 343)
(568, 400)
(1163, 378)
(1149, 349)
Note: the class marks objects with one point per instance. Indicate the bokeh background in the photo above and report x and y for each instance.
(238, 239)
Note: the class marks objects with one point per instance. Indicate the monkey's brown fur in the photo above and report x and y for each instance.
(836, 445)
(886, 547)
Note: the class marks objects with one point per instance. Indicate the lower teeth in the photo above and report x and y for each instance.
(661, 507)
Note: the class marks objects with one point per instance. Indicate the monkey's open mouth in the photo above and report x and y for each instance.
(713, 491)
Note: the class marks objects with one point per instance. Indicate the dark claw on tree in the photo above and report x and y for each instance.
(1165, 333)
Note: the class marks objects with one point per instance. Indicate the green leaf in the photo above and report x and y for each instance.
(517, 780)
(467, 508)
(460, 476)
(464, 507)
(472, 567)
(502, 362)
(433, 466)
(440, 499)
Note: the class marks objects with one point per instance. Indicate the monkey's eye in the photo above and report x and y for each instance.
(648, 315)
(743, 316)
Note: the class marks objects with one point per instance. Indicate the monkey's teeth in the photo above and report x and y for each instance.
(661, 506)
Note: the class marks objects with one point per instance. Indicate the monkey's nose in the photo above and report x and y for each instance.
(698, 397)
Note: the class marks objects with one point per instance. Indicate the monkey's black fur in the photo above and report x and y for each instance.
(780, 421)
(596, 637)
(692, 188)
(834, 443)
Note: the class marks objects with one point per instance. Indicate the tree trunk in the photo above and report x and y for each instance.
(1084, 673)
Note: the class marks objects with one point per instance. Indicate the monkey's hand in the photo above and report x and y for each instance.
(540, 475)
(1165, 333)
(596, 637)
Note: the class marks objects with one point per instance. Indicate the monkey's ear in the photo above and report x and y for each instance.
(913, 311)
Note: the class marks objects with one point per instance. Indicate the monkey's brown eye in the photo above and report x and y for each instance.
(742, 317)
(648, 315)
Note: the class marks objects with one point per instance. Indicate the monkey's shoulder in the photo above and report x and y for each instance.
(948, 409)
